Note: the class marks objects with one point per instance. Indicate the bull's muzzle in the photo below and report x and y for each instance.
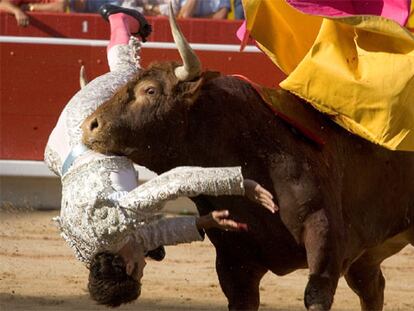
(93, 125)
(91, 128)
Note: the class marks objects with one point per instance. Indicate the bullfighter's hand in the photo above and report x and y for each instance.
(220, 220)
(256, 193)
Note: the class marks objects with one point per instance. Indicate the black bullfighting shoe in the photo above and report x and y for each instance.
(157, 254)
(144, 28)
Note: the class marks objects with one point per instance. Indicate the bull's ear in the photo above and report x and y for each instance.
(190, 90)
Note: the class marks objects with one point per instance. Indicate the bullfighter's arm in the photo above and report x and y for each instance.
(171, 231)
(183, 181)
(168, 231)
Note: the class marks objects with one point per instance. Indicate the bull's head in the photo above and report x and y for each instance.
(159, 95)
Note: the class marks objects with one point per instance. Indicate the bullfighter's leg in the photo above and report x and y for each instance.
(239, 279)
(365, 277)
(123, 60)
(323, 261)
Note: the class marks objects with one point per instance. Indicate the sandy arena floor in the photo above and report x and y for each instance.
(39, 272)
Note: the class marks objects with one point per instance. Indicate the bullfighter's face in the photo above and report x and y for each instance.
(134, 258)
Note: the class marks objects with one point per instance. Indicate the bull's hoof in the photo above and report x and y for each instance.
(144, 30)
(317, 307)
(319, 293)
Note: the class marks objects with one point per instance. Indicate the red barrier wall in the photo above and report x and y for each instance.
(37, 80)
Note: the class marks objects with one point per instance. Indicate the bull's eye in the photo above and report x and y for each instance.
(150, 90)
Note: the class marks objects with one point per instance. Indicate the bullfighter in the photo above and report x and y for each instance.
(105, 217)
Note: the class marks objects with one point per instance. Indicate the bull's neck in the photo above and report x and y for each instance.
(232, 127)
(229, 125)
(160, 155)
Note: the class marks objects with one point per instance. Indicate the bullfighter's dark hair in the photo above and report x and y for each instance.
(109, 284)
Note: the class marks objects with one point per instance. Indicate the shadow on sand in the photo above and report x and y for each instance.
(15, 302)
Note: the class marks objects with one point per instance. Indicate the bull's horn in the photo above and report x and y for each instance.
(191, 67)
(83, 80)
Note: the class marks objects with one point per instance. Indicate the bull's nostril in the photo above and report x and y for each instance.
(94, 124)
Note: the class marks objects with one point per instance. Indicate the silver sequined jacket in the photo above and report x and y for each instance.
(91, 222)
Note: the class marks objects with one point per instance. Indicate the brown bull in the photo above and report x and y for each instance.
(344, 207)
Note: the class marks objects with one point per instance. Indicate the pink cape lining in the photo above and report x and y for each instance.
(397, 10)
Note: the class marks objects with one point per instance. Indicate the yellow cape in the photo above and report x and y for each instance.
(357, 69)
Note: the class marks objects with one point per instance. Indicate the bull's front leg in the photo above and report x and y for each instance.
(237, 265)
(304, 189)
(239, 279)
(324, 260)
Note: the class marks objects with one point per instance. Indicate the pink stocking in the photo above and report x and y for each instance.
(122, 25)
